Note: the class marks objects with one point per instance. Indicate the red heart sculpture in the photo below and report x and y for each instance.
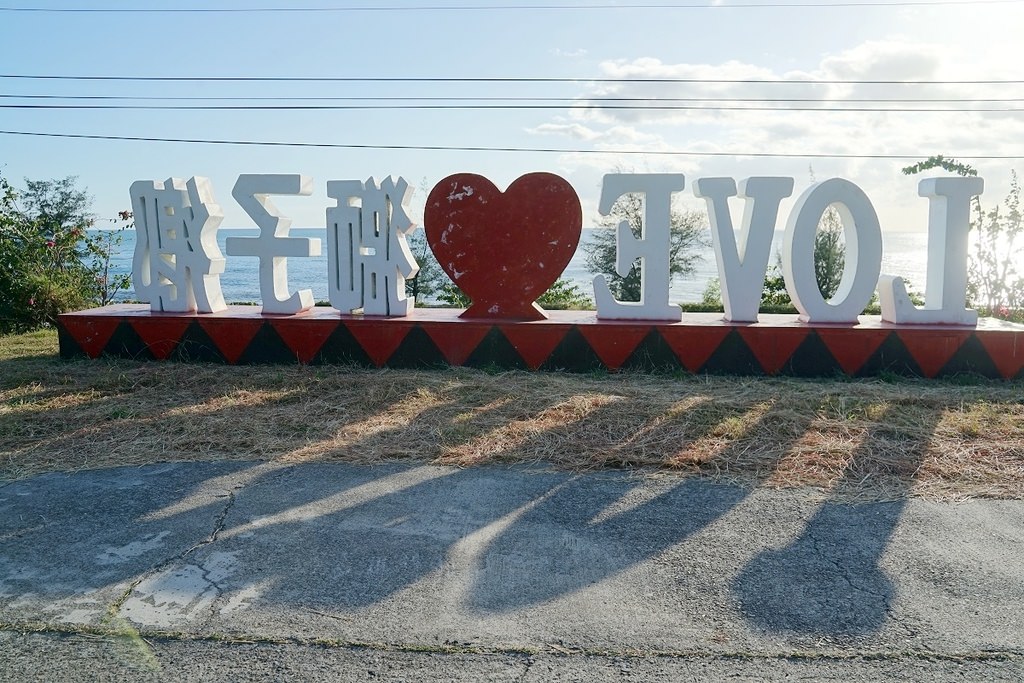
(503, 249)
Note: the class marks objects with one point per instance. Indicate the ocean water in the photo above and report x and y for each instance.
(903, 253)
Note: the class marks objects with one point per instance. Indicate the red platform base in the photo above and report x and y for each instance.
(569, 340)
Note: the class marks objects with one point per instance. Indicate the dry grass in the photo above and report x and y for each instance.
(858, 439)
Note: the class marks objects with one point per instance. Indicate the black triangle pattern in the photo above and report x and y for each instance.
(892, 357)
(342, 348)
(970, 359)
(196, 346)
(125, 342)
(267, 348)
(652, 354)
(732, 357)
(417, 350)
(69, 346)
(812, 359)
(573, 354)
(496, 351)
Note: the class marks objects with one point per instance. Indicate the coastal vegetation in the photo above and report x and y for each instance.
(49, 262)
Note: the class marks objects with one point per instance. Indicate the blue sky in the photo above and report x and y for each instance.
(972, 41)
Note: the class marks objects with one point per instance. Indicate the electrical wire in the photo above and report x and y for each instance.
(493, 107)
(535, 150)
(495, 79)
(568, 101)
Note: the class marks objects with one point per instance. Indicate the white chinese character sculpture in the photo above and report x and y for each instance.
(177, 264)
(273, 246)
(368, 256)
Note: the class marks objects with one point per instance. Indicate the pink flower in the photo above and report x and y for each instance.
(51, 243)
(31, 301)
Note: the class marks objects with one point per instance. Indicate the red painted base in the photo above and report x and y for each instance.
(568, 340)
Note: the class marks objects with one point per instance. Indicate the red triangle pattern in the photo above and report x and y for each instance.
(91, 333)
(852, 347)
(534, 342)
(456, 340)
(932, 348)
(773, 346)
(613, 343)
(379, 340)
(160, 335)
(693, 346)
(304, 337)
(231, 335)
(1006, 352)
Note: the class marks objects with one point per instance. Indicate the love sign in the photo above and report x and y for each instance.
(505, 248)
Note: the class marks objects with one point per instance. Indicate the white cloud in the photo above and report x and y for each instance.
(885, 60)
(569, 54)
(608, 138)
(594, 120)
(781, 129)
(572, 130)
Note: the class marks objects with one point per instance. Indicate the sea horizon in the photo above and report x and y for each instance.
(903, 254)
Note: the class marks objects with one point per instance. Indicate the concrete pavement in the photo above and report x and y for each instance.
(265, 571)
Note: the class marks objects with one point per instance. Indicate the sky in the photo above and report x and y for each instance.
(923, 40)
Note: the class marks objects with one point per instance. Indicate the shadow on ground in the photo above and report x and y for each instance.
(828, 580)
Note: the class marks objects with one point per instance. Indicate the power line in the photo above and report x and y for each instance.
(568, 101)
(501, 8)
(494, 107)
(496, 79)
(535, 150)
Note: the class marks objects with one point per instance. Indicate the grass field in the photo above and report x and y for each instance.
(859, 439)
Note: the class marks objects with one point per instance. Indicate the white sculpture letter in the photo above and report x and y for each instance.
(949, 207)
(368, 257)
(652, 248)
(863, 252)
(742, 265)
(273, 246)
(177, 264)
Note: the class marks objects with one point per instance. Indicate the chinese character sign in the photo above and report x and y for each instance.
(273, 246)
(368, 256)
(177, 264)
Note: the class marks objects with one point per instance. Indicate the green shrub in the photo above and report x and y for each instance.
(564, 295)
(49, 264)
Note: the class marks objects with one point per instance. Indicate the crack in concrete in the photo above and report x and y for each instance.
(219, 524)
(114, 609)
(214, 604)
(843, 572)
(218, 601)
